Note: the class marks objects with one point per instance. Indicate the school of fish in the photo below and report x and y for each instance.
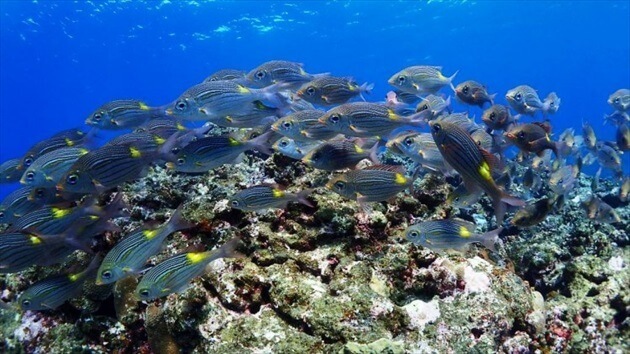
(69, 184)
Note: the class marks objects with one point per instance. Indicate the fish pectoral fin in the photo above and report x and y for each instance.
(356, 130)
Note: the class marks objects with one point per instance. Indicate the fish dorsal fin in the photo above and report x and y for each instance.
(391, 168)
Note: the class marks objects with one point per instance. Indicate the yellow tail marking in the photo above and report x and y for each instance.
(484, 171)
(463, 232)
(59, 213)
(358, 149)
(69, 142)
(243, 89)
(143, 106)
(196, 257)
(392, 115)
(35, 240)
(135, 152)
(149, 234)
(277, 193)
(234, 142)
(400, 179)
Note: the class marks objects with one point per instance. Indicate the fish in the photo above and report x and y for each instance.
(620, 100)
(616, 118)
(498, 117)
(421, 79)
(10, 172)
(406, 97)
(338, 155)
(226, 75)
(23, 249)
(254, 114)
(474, 93)
(122, 114)
(371, 184)
(623, 137)
(462, 199)
(609, 158)
(330, 90)
(624, 190)
(421, 148)
(216, 99)
(161, 127)
(144, 142)
(473, 164)
(600, 211)
(433, 106)
(104, 168)
(65, 138)
(50, 167)
(568, 143)
(293, 149)
(276, 71)
(460, 119)
(531, 137)
(52, 292)
(304, 126)
(524, 100)
(204, 154)
(551, 104)
(485, 140)
(455, 234)
(128, 256)
(588, 136)
(174, 274)
(534, 213)
(266, 196)
(364, 119)
(16, 204)
(562, 180)
(531, 180)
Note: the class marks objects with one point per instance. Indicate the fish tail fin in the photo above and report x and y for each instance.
(492, 97)
(261, 143)
(367, 88)
(177, 221)
(490, 238)
(450, 80)
(301, 197)
(501, 202)
(374, 153)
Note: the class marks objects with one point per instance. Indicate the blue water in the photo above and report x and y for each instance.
(61, 60)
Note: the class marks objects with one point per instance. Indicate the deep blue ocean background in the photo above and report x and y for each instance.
(59, 60)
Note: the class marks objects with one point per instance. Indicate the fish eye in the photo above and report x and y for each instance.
(144, 292)
(39, 193)
(260, 74)
(72, 179)
(518, 96)
(106, 274)
(316, 156)
(340, 185)
(414, 233)
(235, 203)
(437, 127)
(30, 176)
(28, 161)
(284, 143)
(616, 100)
(1, 214)
(465, 90)
(334, 118)
(521, 135)
(401, 80)
(560, 181)
(26, 303)
(310, 90)
(492, 116)
(408, 141)
(456, 199)
(181, 161)
(181, 105)
(425, 107)
(287, 124)
(97, 117)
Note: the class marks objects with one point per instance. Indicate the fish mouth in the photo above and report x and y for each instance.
(59, 188)
(275, 128)
(509, 135)
(169, 112)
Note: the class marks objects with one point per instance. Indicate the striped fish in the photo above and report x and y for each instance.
(464, 155)
(421, 79)
(122, 114)
(49, 168)
(20, 250)
(276, 71)
(210, 152)
(226, 75)
(174, 274)
(365, 119)
(371, 184)
(267, 196)
(16, 204)
(421, 149)
(66, 138)
(216, 99)
(433, 106)
(498, 117)
(129, 255)
(449, 234)
(338, 155)
(330, 90)
(253, 114)
(52, 292)
(143, 141)
(161, 126)
(473, 93)
(524, 100)
(10, 171)
(106, 167)
(304, 126)
(293, 149)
